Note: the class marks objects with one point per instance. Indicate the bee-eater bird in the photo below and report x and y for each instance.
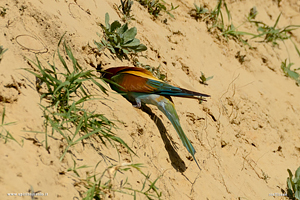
(140, 86)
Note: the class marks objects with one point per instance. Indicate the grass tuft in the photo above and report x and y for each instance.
(65, 115)
(67, 95)
(107, 184)
(271, 33)
(215, 21)
(2, 51)
(286, 68)
(125, 9)
(4, 133)
(155, 7)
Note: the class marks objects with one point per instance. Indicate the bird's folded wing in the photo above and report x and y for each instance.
(166, 89)
(133, 83)
(144, 82)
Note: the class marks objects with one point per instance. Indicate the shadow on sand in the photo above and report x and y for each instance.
(176, 161)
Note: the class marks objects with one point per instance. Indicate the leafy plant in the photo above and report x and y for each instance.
(2, 51)
(100, 187)
(203, 80)
(5, 134)
(290, 73)
(125, 7)
(293, 185)
(156, 6)
(119, 39)
(271, 33)
(67, 94)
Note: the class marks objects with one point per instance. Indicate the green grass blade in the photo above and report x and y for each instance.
(277, 20)
(3, 115)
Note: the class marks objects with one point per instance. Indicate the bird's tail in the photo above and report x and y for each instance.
(191, 94)
(168, 109)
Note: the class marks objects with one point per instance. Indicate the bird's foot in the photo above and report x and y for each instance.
(138, 104)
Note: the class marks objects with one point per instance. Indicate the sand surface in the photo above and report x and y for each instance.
(246, 135)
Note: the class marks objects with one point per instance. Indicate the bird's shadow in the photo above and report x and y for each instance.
(176, 161)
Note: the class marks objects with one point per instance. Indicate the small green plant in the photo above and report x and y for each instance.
(293, 185)
(5, 134)
(75, 168)
(240, 57)
(265, 176)
(3, 11)
(119, 40)
(203, 80)
(199, 12)
(125, 8)
(217, 12)
(156, 72)
(227, 31)
(273, 34)
(107, 184)
(2, 51)
(252, 14)
(67, 94)
(215, 20)
(172, 8)
(286, 68)
(156, 6)
(232, 32)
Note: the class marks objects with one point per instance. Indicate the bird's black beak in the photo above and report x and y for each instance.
(99, 68)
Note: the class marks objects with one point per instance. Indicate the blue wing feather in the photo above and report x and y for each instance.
(163, 88)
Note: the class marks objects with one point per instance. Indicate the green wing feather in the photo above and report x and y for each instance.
(169, 110)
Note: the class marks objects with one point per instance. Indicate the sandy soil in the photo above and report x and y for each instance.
(246, 135)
